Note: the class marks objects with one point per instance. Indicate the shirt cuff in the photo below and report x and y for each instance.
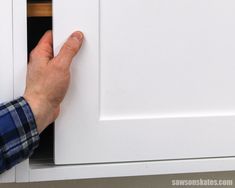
(29, 126)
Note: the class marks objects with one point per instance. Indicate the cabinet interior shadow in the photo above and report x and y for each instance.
(37, 26)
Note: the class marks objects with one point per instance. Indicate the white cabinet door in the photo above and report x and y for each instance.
(6, 66)
(155, 80)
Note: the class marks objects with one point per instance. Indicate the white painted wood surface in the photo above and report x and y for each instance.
(69, 172)
(6, 66)
(6, 52)
(20, 67)
(154, 80)
(20, 46)
(204, 127)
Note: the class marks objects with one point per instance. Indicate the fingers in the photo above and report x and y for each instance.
(44, 47)
(70, 48)
(46, 39)
(56, 113)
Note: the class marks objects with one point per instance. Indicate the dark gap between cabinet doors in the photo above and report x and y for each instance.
(36, 27)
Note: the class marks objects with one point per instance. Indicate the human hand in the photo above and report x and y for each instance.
(48, 77)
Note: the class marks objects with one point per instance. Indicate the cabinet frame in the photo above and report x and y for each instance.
(7, 59)
(50, 172)
(26, 172)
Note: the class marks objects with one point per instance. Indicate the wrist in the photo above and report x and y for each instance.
(42, 111)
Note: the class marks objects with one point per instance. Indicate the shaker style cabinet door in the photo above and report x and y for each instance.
(154, 80)
(6, 66)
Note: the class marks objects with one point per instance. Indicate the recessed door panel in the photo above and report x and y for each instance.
(153, 81)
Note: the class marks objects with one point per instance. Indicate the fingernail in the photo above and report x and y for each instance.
(77, 35)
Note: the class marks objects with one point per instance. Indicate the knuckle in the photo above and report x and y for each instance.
(33, 54)
(60, 67)
(42, 51)
(70, 46)
(46, 48)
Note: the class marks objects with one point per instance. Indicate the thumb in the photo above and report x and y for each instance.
(70, 48)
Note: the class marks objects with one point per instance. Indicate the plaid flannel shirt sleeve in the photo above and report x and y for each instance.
(18, 133)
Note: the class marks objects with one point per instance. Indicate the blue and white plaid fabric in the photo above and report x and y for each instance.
(18, 133)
